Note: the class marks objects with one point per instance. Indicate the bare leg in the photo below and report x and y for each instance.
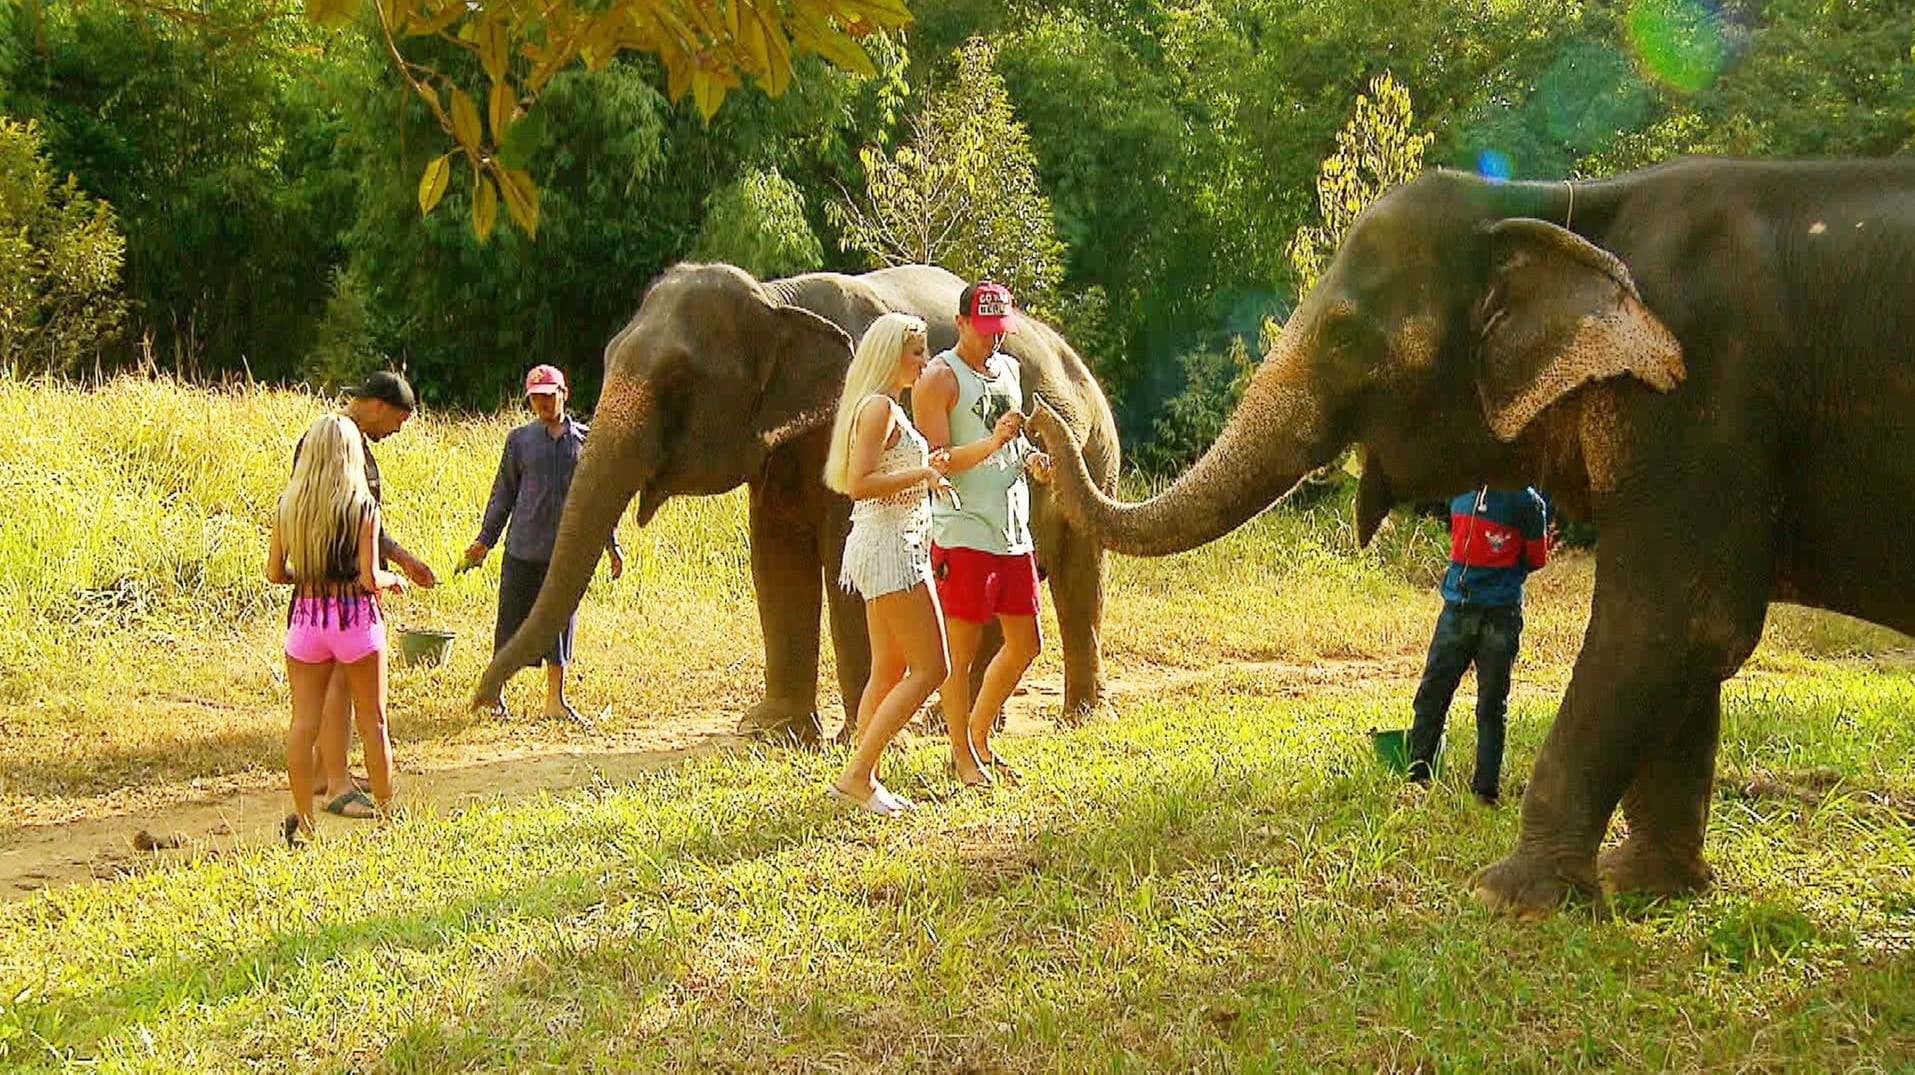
(955, 697)
(1021, 643)
(887, 668)
(367, 679)
(307, 683)
(556, 706)
(334, 736)
(905, 630)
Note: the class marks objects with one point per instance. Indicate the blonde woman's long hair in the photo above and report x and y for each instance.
(872, 370)
(326, 501)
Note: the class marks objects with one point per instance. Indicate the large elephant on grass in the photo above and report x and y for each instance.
(722, 380)
(1716, 358)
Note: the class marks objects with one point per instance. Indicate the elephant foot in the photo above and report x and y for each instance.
(1079, 712)
(781, 722)
(1639, 865)
(1530, 887)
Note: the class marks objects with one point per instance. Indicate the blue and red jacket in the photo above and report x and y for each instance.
(1496, 540)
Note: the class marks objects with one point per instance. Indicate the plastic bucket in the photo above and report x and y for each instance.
(418, 646)
(1392, 747)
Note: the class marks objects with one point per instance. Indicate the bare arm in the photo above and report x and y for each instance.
(373, 578)
(276, 571)
(868, 438)
(931, 401)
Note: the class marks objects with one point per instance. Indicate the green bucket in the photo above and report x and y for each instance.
(1392, 746)
(418, 646)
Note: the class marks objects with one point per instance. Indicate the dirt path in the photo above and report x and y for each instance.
(196, 822)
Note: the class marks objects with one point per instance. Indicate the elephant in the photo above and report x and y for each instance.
(1709, 357)
(721, 380)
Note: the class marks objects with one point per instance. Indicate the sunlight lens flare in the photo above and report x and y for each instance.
(1679, 43)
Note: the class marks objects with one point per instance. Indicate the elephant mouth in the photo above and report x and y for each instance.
(650, 499)
(1374, 497)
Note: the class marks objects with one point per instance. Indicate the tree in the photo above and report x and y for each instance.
(757, 222)
(962, 192)
(1375, 151)
(60, 261)
(707, 48)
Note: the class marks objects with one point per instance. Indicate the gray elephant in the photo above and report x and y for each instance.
(1713, 357)
(721, 380)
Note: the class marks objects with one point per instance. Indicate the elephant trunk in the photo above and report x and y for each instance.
(1273, 440)
(619, 458)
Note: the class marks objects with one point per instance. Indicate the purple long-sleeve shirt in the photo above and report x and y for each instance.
(535, 473)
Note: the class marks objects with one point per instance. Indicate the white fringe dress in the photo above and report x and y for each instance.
(889, 548)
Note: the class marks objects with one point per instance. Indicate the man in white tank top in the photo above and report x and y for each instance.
(970, 400)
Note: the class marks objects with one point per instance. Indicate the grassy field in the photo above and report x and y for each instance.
(1217, 877)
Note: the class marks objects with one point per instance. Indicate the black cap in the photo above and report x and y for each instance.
(386, 387)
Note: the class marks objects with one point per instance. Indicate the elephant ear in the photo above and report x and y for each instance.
(1561, 313)
(800, 373)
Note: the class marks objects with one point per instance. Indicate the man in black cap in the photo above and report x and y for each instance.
(379, 406)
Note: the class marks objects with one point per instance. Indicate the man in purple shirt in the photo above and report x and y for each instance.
(534, 475)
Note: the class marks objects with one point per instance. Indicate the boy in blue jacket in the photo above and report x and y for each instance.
(1497, 537)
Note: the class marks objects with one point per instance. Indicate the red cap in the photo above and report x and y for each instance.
(988, 305)
(544, 380)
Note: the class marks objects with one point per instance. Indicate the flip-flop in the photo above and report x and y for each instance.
(355, 797)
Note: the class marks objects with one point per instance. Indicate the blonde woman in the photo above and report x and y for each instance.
(325, 544)
(879, 460)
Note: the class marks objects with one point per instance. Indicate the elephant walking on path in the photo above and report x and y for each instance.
(1716, 358)
(721, 380)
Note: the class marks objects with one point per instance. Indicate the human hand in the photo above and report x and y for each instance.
(940, 460)
(1007, 427)
(616, 567)
(418, 571)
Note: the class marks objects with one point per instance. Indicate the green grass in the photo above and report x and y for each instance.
(1217, 878)
(1214, 881)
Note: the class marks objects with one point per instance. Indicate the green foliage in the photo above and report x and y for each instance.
(757, 222)
(344, 350)
(1214, 381)
(962, 192)
(1378, 149)
(60, 260)
(216, 153)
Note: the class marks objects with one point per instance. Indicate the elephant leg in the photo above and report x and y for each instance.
(786, 572)
(1681, 614)
(850, 637)
(1077, 588)
(1668, 807)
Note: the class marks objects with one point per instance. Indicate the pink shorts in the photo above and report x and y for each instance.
(343, 629)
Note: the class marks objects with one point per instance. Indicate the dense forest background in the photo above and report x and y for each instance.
(223, 189)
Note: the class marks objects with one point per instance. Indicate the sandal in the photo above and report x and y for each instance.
(876, 802)
(342, 806)
(290, 830)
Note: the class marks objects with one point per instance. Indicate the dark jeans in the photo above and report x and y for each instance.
(519, 582)
(1488, 638)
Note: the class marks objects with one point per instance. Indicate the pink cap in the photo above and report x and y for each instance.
(544, 380)
(988, 305)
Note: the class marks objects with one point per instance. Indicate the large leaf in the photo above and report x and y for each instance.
(332, 13)
(492, 49)
(485, 206)
(521, 199)
(432, 185)
(500, 105)
(465, 121)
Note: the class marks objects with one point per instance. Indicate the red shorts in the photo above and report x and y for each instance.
(975, 586)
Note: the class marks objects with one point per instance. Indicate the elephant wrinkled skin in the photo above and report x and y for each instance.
(721, 380)
(1712, 357)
